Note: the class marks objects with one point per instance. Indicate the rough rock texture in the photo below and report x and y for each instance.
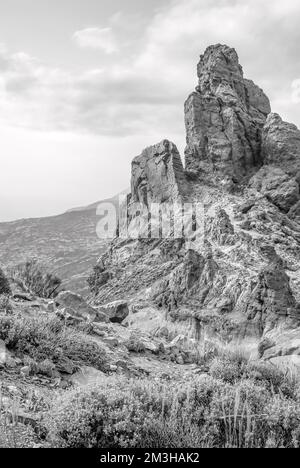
(224, 117)
(116, 311)
(75, 306)
(281, 145)
(238, 282)
(272, 298)
(157, 174)
(277, 186)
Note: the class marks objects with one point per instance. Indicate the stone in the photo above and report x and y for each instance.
(224, 118)
(51, 307)
(25, 371)
(222, 230)
(76, 304)
(157, 175)
(272, 298)
(116, 311)
(111, 342)
(65, 366)
(281, 144)
(3, 354)
(277, 186)
(180, 360)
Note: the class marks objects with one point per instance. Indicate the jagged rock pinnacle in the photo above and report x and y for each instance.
(224, 117)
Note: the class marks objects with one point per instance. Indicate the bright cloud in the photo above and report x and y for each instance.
(296, 91)
(97, 38)
(141, 86)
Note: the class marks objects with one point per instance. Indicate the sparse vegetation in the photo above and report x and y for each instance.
(4, 284)
(253, 405)
(97, 278)
(33, 277)
(47, 338)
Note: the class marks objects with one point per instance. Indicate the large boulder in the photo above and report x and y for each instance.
(116, 311)
(271, 301)
(281, 189)
(157, 175)
(281, 145)
(78, 307)
(3, 354)
(224, 118)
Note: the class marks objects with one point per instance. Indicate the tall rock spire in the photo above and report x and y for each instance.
(224, 118)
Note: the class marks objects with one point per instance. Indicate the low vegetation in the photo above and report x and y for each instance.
(4, 284)
(46, 340)
(33, 277)
(237, 404)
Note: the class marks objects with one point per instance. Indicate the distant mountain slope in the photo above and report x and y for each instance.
(68, 243)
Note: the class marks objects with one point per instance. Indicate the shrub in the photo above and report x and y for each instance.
(33, 277)
(202, 412)
(98, 277)
(273, 377)
(113, 414)
(283, 416)
(46, 338)
(5, 304)
(4, 284)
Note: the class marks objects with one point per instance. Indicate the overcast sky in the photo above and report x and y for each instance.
(85, 85)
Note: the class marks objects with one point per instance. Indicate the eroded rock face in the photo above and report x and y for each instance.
(242, 282)
(281, 145)
(272, 299)
(157, 175)
(224, 117)
(116, 311)
(277, 186)
(74, 305)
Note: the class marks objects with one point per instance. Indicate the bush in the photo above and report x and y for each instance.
(46, 338)
(98, 278)
(202, 412)
(273, 377)
(4, 284)
(34, 278)
(5, 304)
(229, 366)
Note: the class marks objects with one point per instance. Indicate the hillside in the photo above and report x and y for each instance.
(67, 243)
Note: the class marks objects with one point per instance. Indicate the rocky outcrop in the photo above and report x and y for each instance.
(224, 118)
(222, 230)
(73, 306)
(238, 281)
(277, 186)
(116, 311)
(272, 299)
(281, 145)
(157, 175)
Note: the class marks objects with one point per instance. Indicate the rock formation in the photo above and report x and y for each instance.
(157, 175)
(241, 282)
(281, 145)
(224, 118)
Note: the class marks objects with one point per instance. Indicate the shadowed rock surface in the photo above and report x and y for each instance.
(224, 118)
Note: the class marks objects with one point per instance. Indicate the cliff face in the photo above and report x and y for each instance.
(157, 175)
(224, 118)
(239, 282)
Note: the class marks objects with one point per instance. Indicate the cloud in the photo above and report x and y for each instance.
(141, 87)
(296, 91)
(97, 38)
